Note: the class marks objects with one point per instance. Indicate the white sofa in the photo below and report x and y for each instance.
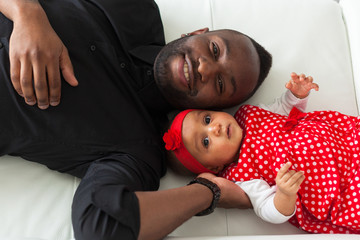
(317, 37)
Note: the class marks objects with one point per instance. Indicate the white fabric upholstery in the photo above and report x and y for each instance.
(304, 36)
(351, 9)
(35, 202)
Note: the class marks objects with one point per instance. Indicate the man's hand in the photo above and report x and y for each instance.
(232, 196)
(37, 55)
(300, 85)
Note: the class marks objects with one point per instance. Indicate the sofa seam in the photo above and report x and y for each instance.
(212, 13)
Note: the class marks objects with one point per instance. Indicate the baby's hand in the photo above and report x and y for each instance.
(288, 182)
(300, 85)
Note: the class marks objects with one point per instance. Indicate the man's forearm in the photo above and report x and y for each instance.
(163, 211)
(17, 8)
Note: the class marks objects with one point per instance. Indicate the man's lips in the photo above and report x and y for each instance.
(183, 71)
(186, 73)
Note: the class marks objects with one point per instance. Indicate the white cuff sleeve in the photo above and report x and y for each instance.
(262, 199)
(285, 103)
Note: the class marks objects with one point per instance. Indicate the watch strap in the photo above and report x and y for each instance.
(214, 189)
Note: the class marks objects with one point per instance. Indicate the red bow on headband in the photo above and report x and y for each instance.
(172, 139)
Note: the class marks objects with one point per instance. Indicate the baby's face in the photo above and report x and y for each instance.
(213, 138)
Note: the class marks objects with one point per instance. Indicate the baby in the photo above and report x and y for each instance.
(257, 148)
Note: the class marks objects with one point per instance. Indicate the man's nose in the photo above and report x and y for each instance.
(215, 129)
(207, 69)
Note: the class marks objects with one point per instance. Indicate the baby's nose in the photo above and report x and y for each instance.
(216, 129)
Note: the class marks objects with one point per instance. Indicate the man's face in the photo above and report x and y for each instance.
(211, 70)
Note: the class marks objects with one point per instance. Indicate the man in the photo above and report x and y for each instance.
(106, 130)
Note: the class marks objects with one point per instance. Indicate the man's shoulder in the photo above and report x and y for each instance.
(138, 22)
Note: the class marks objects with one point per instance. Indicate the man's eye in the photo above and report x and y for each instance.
(207, 119)
(206, 142)
(215, 50)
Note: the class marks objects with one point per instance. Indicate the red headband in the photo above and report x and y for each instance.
(173, 141)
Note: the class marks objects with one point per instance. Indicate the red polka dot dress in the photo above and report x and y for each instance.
(323, 144)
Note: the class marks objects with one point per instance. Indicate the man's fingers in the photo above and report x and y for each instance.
(67, 68)
(26, 82)
(41, 85)
(15, 75)
(208, 176)
(54, 81)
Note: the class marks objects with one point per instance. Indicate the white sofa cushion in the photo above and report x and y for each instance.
(351, 9)
(35, 202)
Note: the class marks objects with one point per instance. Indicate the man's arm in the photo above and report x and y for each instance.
(112, 201)
(173, 207)
(109, 203)
(37, 55)
(161, 212)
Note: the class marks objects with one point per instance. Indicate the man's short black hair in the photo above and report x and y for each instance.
(265, 64)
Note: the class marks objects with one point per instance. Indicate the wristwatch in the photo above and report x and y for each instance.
(216, 194)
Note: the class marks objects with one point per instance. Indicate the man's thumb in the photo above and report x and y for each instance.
(67, 68)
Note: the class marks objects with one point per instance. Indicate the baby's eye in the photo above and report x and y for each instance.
(206, 142)
(207, 119)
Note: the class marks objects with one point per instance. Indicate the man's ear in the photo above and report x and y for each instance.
(196, 32)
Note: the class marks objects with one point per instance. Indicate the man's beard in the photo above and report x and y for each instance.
(163, 76)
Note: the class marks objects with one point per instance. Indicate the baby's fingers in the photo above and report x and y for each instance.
(296, 179)
(300, 180)
(315, 86)
(301, 79)
(309, 79)
(283, 170)
(289, 84)
(294, 76)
